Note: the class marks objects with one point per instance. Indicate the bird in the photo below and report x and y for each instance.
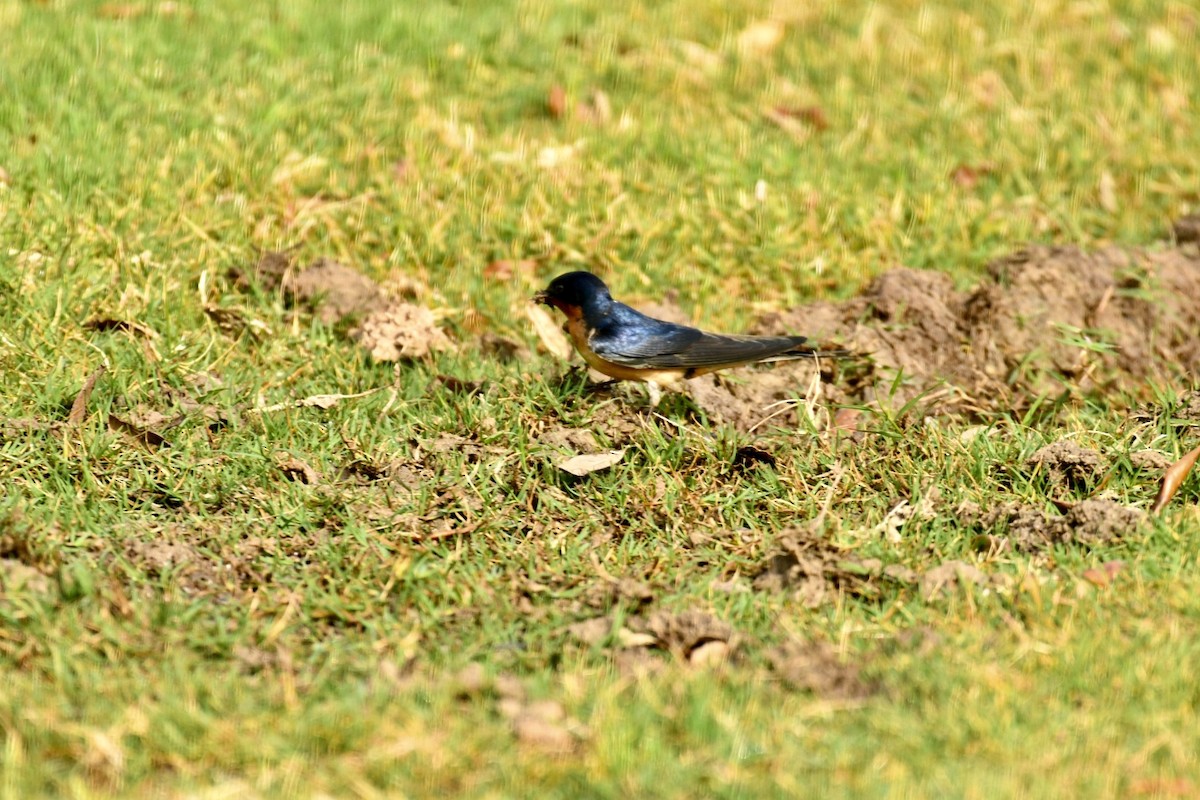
(626, 344)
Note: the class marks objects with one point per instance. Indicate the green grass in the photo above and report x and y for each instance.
(304, 639)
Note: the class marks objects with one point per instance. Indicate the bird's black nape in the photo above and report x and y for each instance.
(574, 289)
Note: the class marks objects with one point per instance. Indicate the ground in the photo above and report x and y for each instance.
(302, 496)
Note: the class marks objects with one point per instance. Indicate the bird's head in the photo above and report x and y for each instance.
(576, 292)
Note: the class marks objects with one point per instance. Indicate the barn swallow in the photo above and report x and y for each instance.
(625, 344)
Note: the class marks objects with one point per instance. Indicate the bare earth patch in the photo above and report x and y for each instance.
(1046, 320)
(1031, 529)
(816, 571)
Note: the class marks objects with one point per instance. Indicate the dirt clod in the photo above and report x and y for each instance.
(334, 291)
(1046, 320)
(579, 440)
(1031, 529)
(815, 667)
(1068, 464)
(1149, 460)
(685, 632)
(816, 571)
(401, 331)
(1187, 229)
(945, 578)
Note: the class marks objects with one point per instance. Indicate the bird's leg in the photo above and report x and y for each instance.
(655, 392)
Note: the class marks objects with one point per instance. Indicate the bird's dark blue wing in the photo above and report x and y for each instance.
(635, 340)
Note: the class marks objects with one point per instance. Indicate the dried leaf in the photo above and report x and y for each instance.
(315, 401)
(592, 462)
(143, 436)
(968, 176)
(810, 115)
(79, 407)
(556, 102)
(1173, 478)
(1103, 575)
(551, 336)
(296, 469)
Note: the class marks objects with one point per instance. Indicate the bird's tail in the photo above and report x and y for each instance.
(805, 350)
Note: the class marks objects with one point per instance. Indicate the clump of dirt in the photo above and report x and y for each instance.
(1068, 464)
(401, 331)
(695, 637)
(1187, 229)
(684, 633)
(267, 273)
(817, 571)
(579, 440)
(1046, 319)
(815, 667)
(333, 291)
(945, 578)
(194, 572)
(1031, 529)
(391, 330)
(1149, 460)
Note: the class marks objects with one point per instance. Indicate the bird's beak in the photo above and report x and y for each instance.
(542, 298)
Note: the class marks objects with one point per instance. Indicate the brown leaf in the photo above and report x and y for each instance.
(79, 407)
(969, 176)
(810, 115)
(297, 470)
(592, 462)
(551, 336)
(143, 436)
(322, 401)
(1173, 478)
(1104, 574)
(556, 101)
